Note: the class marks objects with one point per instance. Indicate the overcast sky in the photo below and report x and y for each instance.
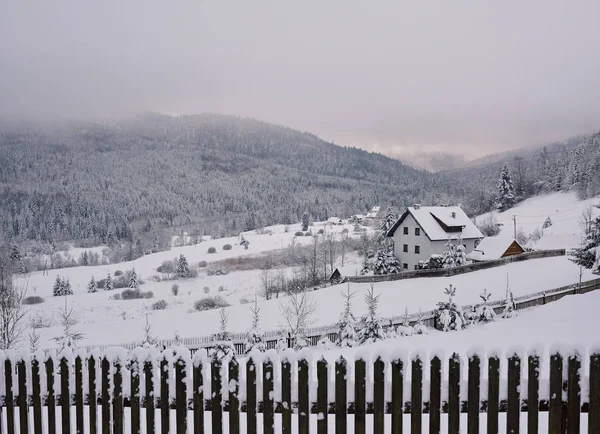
(467, 77)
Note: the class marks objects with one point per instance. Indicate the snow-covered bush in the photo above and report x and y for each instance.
(208, 303)
(202, 264)
(419, 327)
(299, 234)
(454, 255)
(371, 327)
(222, 348)
(448, 316)
(134, 294)
(325, 343)
(243, 242)
(227, 247)
(159, 305)
(255, 339)
(347, 335)
(485, 313)
(405, 329)
(33, 299)
(470, 315)
(510, 308)
(212, 250)
(282, 344)
(133, 280)
(587, 254)
(489, 226)
(386, 263)
(175, 289)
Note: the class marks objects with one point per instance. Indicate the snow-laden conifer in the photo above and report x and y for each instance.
(222, 348)
(386, 263)
(505, 198)
(92, 286)
(485, 313)
(448, 316)
(347, 324)
(255, 339)
(372, 324)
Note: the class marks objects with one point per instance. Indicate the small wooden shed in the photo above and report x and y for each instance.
(491, 248)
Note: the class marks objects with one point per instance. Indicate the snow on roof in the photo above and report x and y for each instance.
(429, 218)
(334, 220)
(491, 248)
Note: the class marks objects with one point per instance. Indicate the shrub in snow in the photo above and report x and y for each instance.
(33, 299)
(419, 327)
(159, 305)
(175, 289)
(212, 250)
(325, 343)
(489, 226)
(61, 287)
(255, 339)
(299, 234)
(345, 231)
(386, 263)
(282, 344)
(405, 329)
(135, 294)
(510, 308)
(222, 348)
(371, 327)
(227, 247)
(347, 336)
(447, 315)
(485, 313)
(206, 289)
(470, 315)
(244, 242)
(118, 273)
(320, 232)
(202, 264)
(167, 267)
(209, 303)
(547, 223)
(150, 340)
(435, 262)
(299, 342)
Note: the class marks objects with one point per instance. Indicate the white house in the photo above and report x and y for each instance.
(422, 231)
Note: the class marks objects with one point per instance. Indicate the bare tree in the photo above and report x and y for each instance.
(267, 280)
(281, 281)
(586, 219)
(343, 246)
(11, 305)
(298, 312)
(331, 248)
(313, 258)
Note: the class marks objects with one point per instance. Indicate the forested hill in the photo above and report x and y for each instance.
(105, 182)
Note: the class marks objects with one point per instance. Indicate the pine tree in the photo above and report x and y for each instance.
(386, 263)
(448, 316)
(150, 340)
(67, 290)
(34, 340)
(419, 327)
(506, 191)
(57, 288)
(547, 223)
(587, 254)
(15, 253)
(449, 255)
(347, 336)
(388, 221)
(133, 280)
(92, 286)
(108, 286)
(304, 222)
(250, 223)
(406, 329)
(183, 269)
(510, 308)
(372, 324)
(485, 313)
(70, 337)
(255, 340)
(223, 348)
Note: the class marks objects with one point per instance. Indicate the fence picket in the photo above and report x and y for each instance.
(555, 403)
(473, 394)
(234, 402)
(251, 396)
(493, 403)
(322, 402)
(117, 398)
(216, 397)
(105, 396)
(513, 410)
(23, 404)
(397, 396)
(303, 397)
(198, 397)
(341, 396)
(181, 406)
(454, 394)
(36, 396)
(533, 395)
(286, 397)
(9, 396)
(594, 390)
(50, 399)
(574, 395)
(165, 407)
(135, 396)
(416, 396)
(149, 399)
(360, 403)
(92, 397)
(78, 395)
(65, 396)
(268, 402)
(435, 395)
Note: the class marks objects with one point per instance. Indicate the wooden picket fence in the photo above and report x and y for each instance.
(112, 392)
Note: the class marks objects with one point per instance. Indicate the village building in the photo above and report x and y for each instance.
(491, 248)
(423, 231)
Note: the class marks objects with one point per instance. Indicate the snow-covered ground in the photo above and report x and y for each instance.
(565, 211)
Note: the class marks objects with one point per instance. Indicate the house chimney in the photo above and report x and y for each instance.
(416, 206)
(453, 214)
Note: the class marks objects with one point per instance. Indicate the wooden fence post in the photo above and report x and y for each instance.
(250, 396)
(268, 401)
(303, 397)
(454, 394)
(322, 401)
(149, 399)
(198, 395)
(79, 395)
(341, 397)
(435, 395)
(533, 394)
(9, 396)
(473, 394)
(23, 401)
(379, 396)
(65, 396)
(51, 399)
(360, 399)
(106, 425)
(134, 398)
(555, 403)
(36, 395)
(574, 394)
(92, 396)
(493, 403)
(234, 401)
(217, 397)
(397, 395)
(513, 409)
(117, 397)
(165, 404)
(594, 388)
(416, 395)
(181, 406)
(286, 396)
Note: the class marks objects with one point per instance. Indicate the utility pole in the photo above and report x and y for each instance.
(515, 225)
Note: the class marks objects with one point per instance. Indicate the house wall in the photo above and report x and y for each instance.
(427, 247)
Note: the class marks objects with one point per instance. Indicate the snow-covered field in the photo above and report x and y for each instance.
(107, 321)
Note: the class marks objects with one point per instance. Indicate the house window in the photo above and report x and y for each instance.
(405, 248)
(405, 266)
(405, 230)
(417, 232)
(417, 249)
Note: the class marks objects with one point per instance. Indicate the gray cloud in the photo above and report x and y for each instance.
(397, 77)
